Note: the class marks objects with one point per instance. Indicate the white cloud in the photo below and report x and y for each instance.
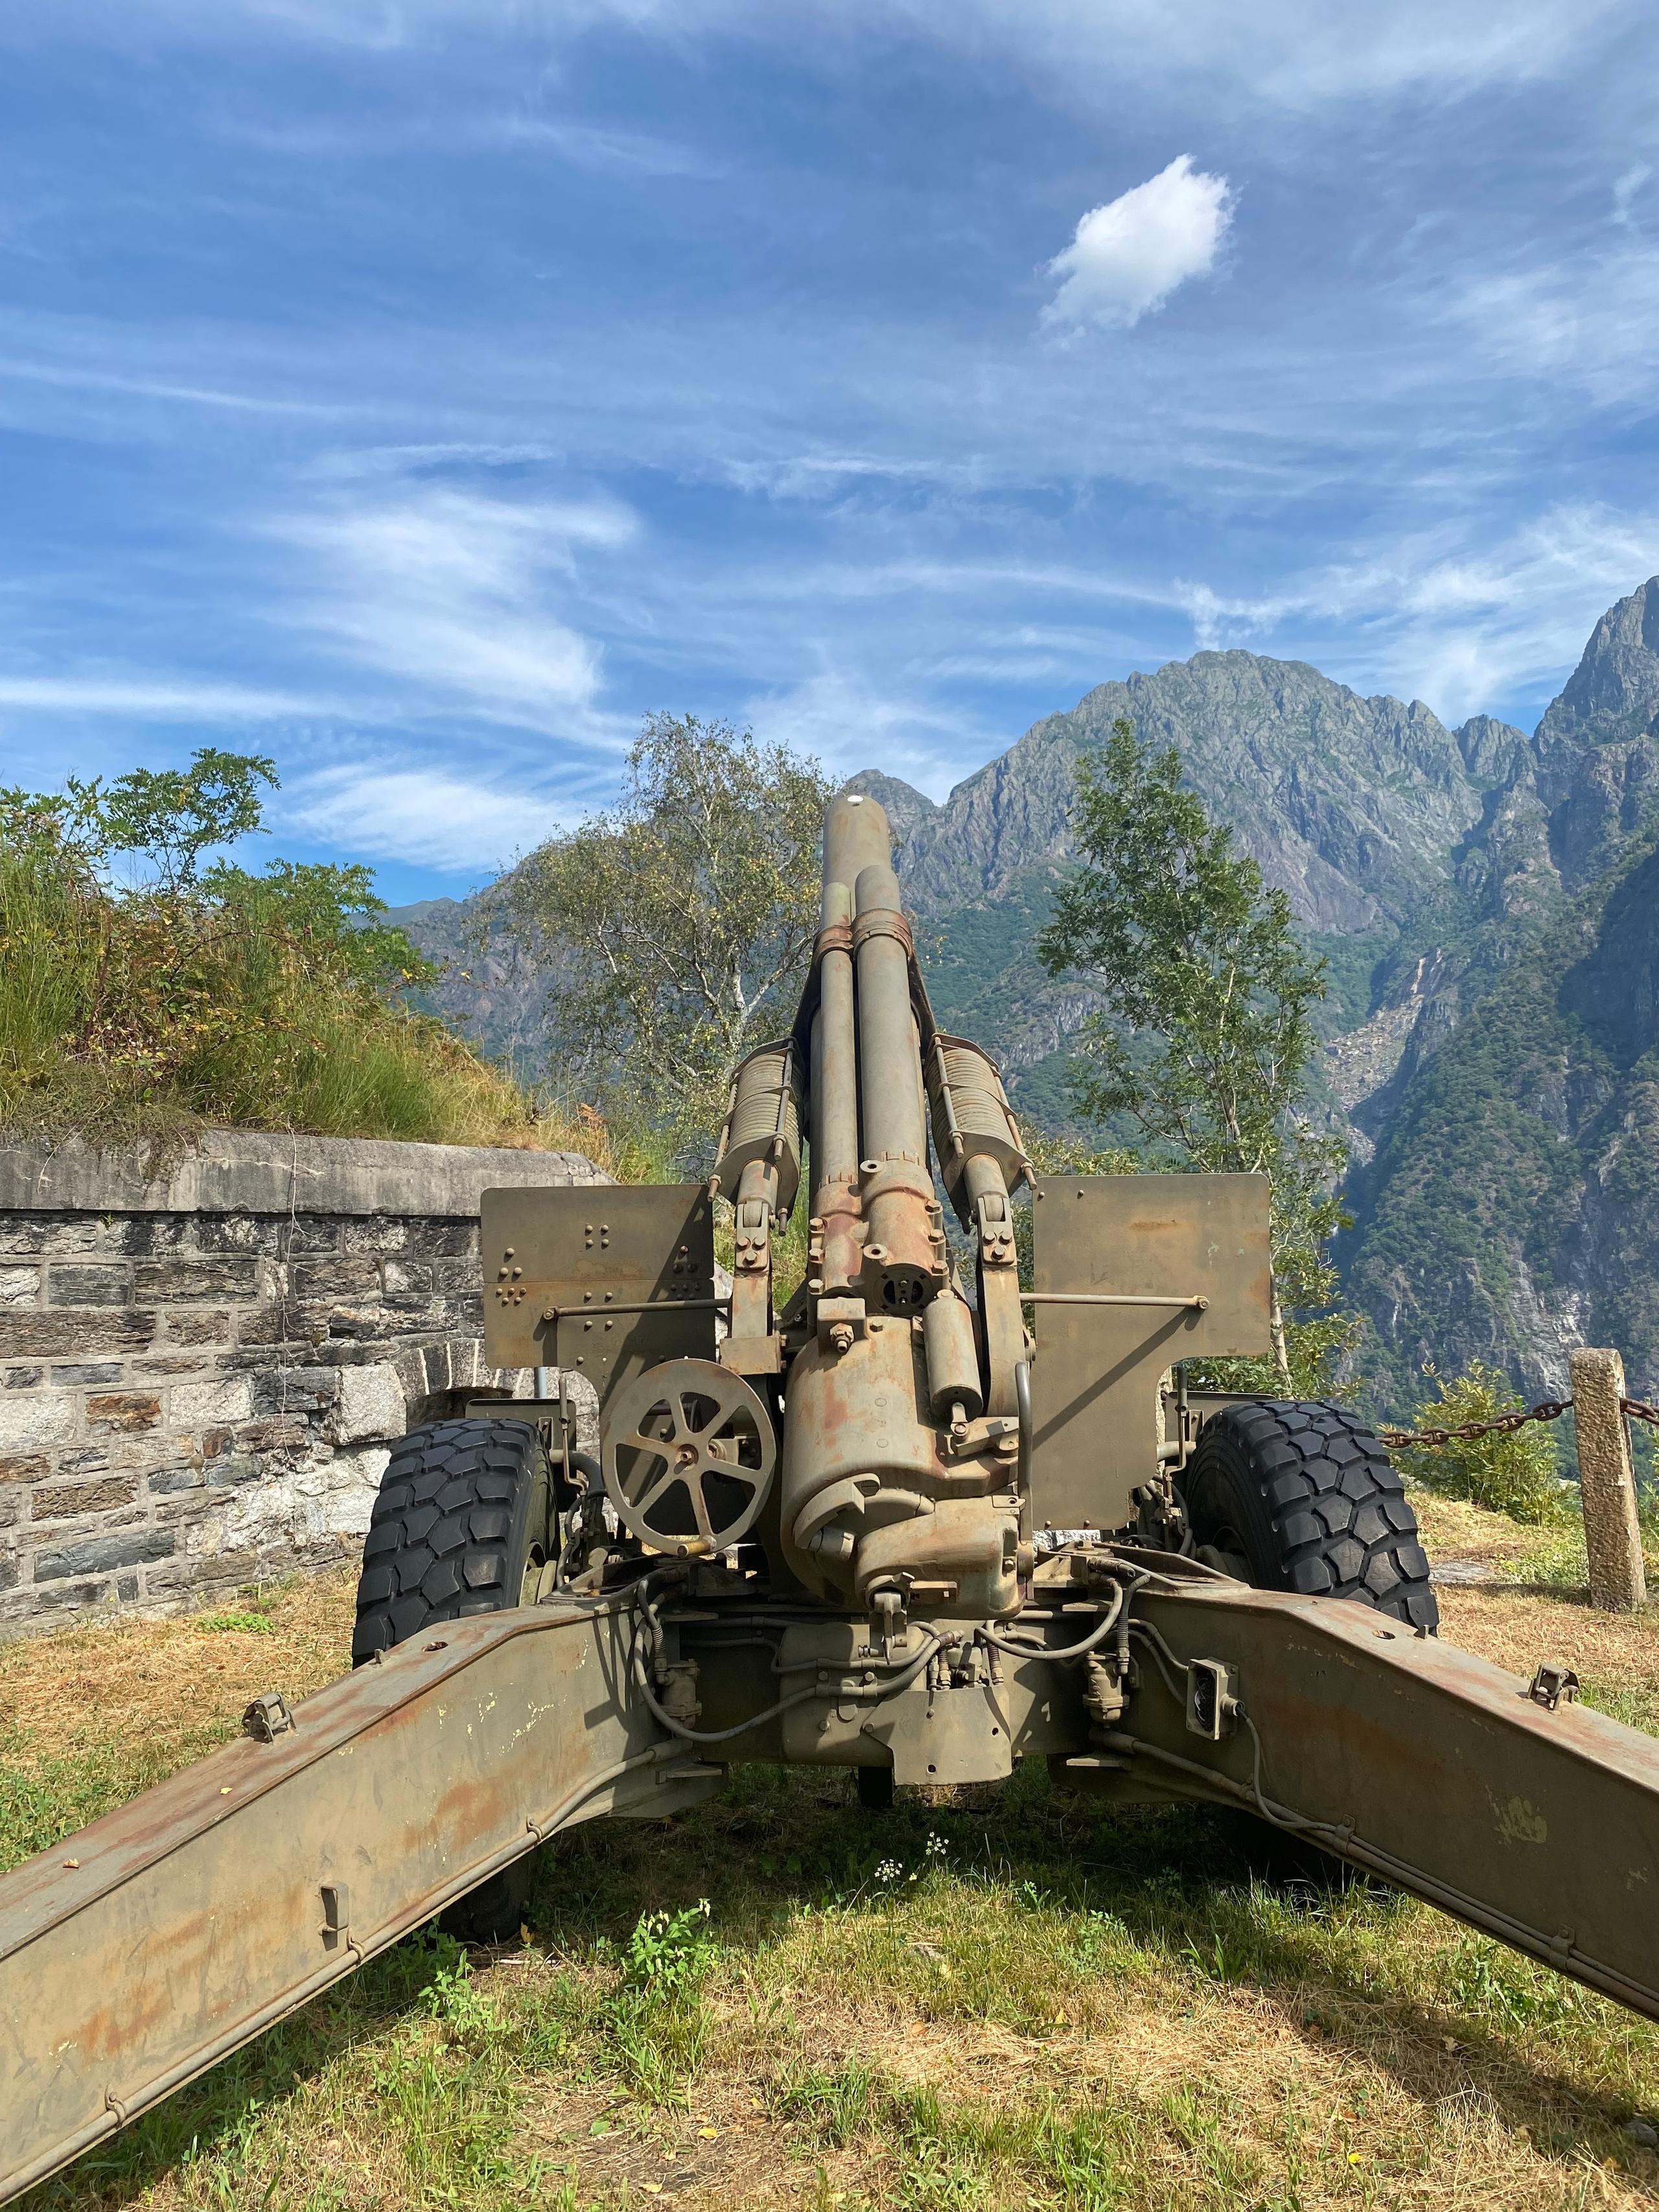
(421, 815)
(1129, 255)
(146, 699)
(458, 594)
(1296, 52)
(1430, 618)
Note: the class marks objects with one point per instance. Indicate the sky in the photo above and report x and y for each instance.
(420, 394)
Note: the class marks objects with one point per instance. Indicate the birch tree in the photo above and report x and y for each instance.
(675, 926)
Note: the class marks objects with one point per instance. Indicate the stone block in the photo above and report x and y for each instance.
(22, 1378)
(441, 1240)
(311, 1233)
(24, 1233)
(88, 1286)
(354, 1325)
(68, 1597)
(73, 1332)
(279, 1322)
(84, 1373)
(196, 1327)
(25, 1467)
(81, 1233)
(238, 1232)
(286, 1390)
(285, 1433)
(375, 1234)
(194, 1405)
(163, 1366)
(40, 1417)
(332, 1278)
(233, 1470)
(370, 1404)
(127, 1547)
(122, 1412)
(82, 1460)
(126, 1588)
(150, 1236)
(19, 1286)
(188, 1280)
(168, 1481)
(61, 1501)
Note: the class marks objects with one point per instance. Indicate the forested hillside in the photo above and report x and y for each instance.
(1489, 905)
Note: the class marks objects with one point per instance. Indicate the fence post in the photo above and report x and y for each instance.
(1607, 1483)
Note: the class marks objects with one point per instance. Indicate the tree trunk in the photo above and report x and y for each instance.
(1282, 1352)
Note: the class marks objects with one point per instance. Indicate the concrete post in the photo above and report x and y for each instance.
(1607, 1483)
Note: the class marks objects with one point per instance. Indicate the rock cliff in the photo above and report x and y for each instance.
(1491, 915)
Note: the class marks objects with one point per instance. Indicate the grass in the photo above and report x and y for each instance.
(997, 2000)
(265, 1003)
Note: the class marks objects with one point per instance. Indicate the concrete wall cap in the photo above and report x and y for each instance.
(264, 1171)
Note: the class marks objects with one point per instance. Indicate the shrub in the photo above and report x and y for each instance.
(185, 996)
(1517, 1473)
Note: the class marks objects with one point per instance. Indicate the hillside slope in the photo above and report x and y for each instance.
(1487, 911)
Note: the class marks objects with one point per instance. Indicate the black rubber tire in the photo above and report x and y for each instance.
(462, 1518)
(463, 1512)
(1307, 1496)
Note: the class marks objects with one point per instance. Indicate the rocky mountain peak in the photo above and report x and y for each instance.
(1613, 695)
(1597, 746)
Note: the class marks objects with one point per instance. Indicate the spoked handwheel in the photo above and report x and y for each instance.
(687, 1456)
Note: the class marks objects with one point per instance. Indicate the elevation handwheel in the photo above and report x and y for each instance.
(687, 1456)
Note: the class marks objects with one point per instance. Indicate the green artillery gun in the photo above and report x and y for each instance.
(884, 1527)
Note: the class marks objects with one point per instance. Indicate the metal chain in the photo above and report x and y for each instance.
(1505, 1424)
(1549, 1409)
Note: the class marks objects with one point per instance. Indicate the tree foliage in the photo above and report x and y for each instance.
(146, 989)
(1518, 1474)
(676, 925)
(1204, 1040)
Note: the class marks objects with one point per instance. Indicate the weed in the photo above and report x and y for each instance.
(236, 1624)
(668, 1952)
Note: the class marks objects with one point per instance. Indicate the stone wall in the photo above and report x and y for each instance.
(201, 1370)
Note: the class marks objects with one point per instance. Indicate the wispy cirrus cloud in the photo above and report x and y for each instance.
(460, 824)
(456, 596)
(1293, 51)
(1458, 625)
(150, 698)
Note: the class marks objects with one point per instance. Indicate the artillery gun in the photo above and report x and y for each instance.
(884, 1527)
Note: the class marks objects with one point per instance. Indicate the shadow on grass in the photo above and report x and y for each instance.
(1173, 1879)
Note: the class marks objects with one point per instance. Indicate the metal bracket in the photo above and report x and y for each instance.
(1553, 1686)
(268, 1717)
(337, 1915)
(1211, 1699)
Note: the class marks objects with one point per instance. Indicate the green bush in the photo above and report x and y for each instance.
(1517, 1473)
(145, 994)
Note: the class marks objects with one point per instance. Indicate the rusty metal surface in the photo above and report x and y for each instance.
(1426, 1765)
(637, 1245)
(1094, 1380)
(194, 1916)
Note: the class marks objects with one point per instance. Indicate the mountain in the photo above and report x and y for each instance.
(1488, 904)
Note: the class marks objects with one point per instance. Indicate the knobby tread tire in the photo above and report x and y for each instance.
(462, 1509)
(1315, 1504)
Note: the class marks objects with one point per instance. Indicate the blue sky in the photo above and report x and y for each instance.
(421, 393)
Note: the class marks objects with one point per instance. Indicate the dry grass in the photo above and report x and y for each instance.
(1043, 2007)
